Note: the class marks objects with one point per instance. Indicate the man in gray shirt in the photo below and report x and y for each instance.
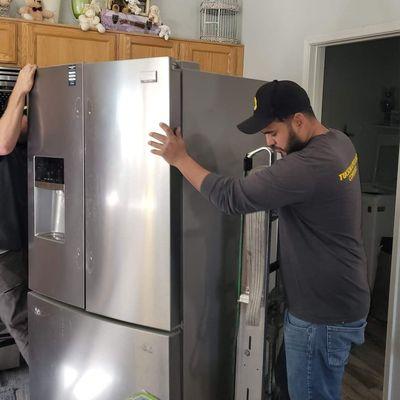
(316, 189)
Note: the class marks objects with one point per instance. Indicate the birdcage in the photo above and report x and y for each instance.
(5, 11)
(219, 21)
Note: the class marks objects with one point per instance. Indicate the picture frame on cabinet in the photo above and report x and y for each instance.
(124, 5)
(145, 7)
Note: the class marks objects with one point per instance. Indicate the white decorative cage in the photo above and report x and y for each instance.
(219, 21)
(4, 11)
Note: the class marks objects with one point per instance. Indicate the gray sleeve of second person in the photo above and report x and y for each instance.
(289, 181)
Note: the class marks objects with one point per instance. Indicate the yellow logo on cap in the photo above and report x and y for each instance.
(255, 104)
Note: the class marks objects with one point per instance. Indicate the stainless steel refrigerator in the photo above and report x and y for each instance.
(134, 275)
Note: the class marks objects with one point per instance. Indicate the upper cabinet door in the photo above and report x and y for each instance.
(8, 42)
(221, 59)
(131, 46)
(48, 45)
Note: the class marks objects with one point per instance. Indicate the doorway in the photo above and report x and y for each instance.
(353, 80)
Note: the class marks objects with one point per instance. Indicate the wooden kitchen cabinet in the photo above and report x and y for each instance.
(8, 42)
(212, 57)
(135, 46)
(47, 45)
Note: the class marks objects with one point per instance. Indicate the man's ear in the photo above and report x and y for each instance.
(298, 120)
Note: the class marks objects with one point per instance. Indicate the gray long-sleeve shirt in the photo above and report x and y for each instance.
(317, 192)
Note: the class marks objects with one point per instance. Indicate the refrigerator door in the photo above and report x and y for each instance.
(130, 274)
(78, 356)
(55, 185)
(210, 239)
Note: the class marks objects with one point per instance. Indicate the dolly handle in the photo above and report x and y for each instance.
(248, 159)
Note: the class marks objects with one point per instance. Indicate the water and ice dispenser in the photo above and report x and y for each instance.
(49, 201)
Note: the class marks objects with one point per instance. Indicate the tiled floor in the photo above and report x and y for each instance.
(14, 384)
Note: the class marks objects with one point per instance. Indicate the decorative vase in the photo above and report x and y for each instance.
(53, 6)
(77, 7)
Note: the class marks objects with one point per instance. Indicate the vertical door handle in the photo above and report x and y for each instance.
(77, 108)
(90, 263)
(89, 107)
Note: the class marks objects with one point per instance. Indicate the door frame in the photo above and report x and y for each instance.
(313, 82)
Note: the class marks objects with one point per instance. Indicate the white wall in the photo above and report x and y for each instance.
(183, 16)
(274, 31)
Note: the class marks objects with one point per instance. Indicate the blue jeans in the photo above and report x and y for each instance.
(316, 356)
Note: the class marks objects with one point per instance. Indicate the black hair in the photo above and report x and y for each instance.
(309, 112)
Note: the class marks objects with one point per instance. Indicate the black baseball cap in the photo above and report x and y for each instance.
(275, 100)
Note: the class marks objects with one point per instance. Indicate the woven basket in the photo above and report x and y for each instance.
(4, 11)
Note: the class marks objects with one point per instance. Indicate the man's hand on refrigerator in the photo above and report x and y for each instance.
(12, 121)
(25, 79)
(172, 148)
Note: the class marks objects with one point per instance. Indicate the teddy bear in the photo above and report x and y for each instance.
(165, 32)
(133, 6)
(33, 10)
(89, 18)
(154, 15)
(5, 8)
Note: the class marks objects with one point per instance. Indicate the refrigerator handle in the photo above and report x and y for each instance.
(89, 107)
(77, 108)
(148, 77)
(89, 262)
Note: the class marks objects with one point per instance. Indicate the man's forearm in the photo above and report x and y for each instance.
(192, 171)
(10, 122)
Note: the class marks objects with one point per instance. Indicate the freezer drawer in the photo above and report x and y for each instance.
(78, 356)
